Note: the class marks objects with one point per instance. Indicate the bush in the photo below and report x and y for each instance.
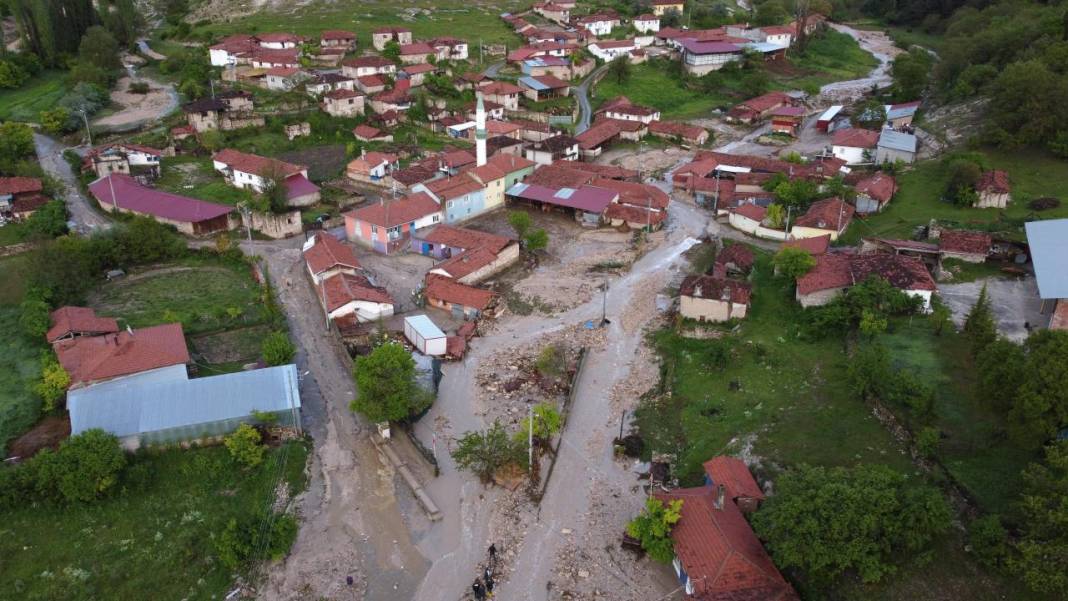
(240, 543)
(550, 361)
(989, 541)
(927, 441)
(85, 468)
(653, 528)
(484, 453)
(547, 422)
(244, 446)
(53, 383)
(277, 349)
(388, 390)
(1044, 203)
(139, 87)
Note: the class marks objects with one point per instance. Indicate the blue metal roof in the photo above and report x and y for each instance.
(896, 140)
(1049, 252)
(533, 84)
(165, 399)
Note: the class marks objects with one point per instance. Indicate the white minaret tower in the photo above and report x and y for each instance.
(480, 132)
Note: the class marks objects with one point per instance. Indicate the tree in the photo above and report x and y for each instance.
(520, 222)
(16, 143)
(244, 445)
(989, 541)
(1041, 404)
(869, 115)
(771, 12)
(869, 371)
(867, 518)
(798, 193)
(792, 262)
(53, 383)
(653, 528)
(963, 177)
(12, 75)
(619, 69)
(86, 466)
(277, 349)
(550, 361)
(536, 240)
(670, 18)
(385, 379)
(100, 49)
(275, 192)
(391, 50)
(910, 72)
(776, 216)
(1000, 369)
(1033, 119)
(123, 20)
(54, 121)
(979, 326)
(1042, 562)
(547, 422)
(872, 323)
(940, 315)
(484, 453)
(49, 221)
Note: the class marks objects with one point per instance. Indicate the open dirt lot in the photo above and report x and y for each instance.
(1014, 302)
(138, 108)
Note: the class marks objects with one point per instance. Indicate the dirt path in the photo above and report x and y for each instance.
(879, 44)
(138, 109)
(351, 522)
(457, 545)
(50, 155)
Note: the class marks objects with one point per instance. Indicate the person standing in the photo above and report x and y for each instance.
(480, 592)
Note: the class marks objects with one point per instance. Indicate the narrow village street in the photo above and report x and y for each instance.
(50, 155)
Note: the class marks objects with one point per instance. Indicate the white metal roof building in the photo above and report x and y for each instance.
(164, 406)
(425, 335)
(1049, 253)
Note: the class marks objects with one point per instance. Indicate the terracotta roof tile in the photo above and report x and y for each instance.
(855, 138)
(441, 288)
(329, 252)
(880, 186)
(19, 185)
(255, 164)
(995, 181)
(739, 254)
(716, 288)
(79, 320)
(734, 474)
(963, 241)
(343, 288)
(827, 214)
(395, 212)
(93, 358)
(813, 246)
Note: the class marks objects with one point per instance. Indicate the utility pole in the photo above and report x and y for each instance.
(789, 210)
(88, 132)
(530, 439)
(604, 302)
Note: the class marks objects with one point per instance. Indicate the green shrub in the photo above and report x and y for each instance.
(989, 540)
(244, 445)
(277, 349)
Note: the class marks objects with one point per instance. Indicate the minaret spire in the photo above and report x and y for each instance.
(480, 131)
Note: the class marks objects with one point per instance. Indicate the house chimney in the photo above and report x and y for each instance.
(721, 493)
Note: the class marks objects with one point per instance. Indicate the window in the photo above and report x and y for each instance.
(374, 230)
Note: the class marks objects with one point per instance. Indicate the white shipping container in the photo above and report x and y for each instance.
(427, 337)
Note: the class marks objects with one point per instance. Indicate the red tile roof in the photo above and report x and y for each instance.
(734, 474)
(813, 246)
(855, 138)
(467, 262)
(752, 211)
(457, 158)
(460, 237)
(278, 36)
(19, 185)
(341, 94)
(599, 134)
(122, 190)
(439, 287)
(343, 288)
(93, 358)
(634, 214)
(719, 551)
(416, 48)
(282, 71)
(995, 181)
(902, 271)
(739, 254)
(486, 173)
(420, 68)
(329, 252)
(367, 61)
(510, 163)
(633, 193)
(366, 132)
(716, 288)
(337, 34)
(827, 214)
(831, 271)
(880, 186)
(389, 213)
(963, 241)
(500, 88)
(453, 187)
(371, 81)
(255, 164)
(79, 320)
(671, 128)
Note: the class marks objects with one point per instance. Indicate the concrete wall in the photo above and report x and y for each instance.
(990, 200)
(850, 154)
(798, 232)
(887, 155)
(275, 225)
(818, 298)
(707, 309)
(507, 256)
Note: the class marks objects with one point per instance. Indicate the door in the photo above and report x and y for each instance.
(427, 248)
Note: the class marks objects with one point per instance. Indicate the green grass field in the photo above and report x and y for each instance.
(38, 94)
(454, 18)
(792, 399)
(12, 233)
(651, 85)
(201, 295)
(153, 539)
(19, 356)
(194, 177)
(1033, 174)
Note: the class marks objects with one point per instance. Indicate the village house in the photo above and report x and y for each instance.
(141, 162)
(874, 193)
(367, 65)
(595, 138)
(384, 35)
(647, 23)
(417, 53)
(348, 295)
(831, 119)
(232, 50)
(279, 40)
(387, 226)
(895, 146)
(244, 170)
(371, 84)
(20, 197)
(543, 87)
(460, 197)
(343, 103)
(326, 256)
(120, 192)
(717, 555)
(461, 300)
(712, 298)
(325, 82)
(854, 146)
(467, 256)
(747, 217)
(284, 79)
(416, 74)
(398, 98)
(558, 49)
(787, 120)
(780, 35)
(597, 25)
(515, 168)
(222, 113)
(502, 93)
(660, 7)
(450, 49)
(701, 58)
(337, 38)
(1046, 239)
(367, 133)
(993, 189)
(553, 12)
(609, 50)
(758, 108)
(691, 135)
(74, 322)
(491, 178)
(269, 59)
(557, 148)
(372, 167)
(828, 216)
(834, 273)
(963, 245)
(900, 116)
(623, 109)
(734, 260)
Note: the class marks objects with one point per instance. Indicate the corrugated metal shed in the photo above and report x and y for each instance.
(896, 140)
(1049, 252)
(533, 84)
(167, 401)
